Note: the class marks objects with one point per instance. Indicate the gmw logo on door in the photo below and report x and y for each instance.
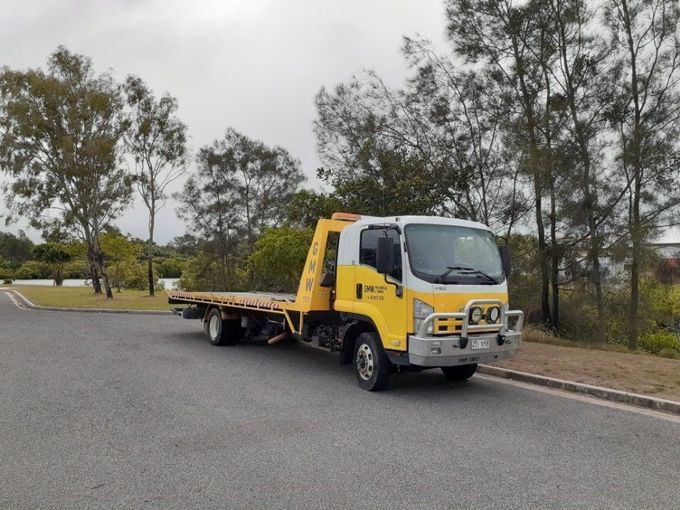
(309, 282)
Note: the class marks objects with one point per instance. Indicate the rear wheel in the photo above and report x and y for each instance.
(460, 373)
(220, 331)
(371, 367)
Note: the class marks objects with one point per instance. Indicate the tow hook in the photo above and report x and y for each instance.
(500, 339)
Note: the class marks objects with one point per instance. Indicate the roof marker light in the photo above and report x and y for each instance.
(345, 216)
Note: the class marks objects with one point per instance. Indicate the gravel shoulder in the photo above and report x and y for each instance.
(634, 372)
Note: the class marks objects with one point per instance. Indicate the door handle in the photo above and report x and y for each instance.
(360, 291)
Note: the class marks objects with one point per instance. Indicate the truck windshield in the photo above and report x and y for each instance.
(450, 254)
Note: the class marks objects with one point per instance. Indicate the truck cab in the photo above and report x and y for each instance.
(433, 291)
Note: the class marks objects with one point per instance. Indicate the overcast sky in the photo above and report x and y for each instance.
(254, 65)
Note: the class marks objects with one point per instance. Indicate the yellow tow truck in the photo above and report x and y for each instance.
(388, 294)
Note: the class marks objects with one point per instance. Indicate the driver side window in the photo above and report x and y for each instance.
(369, 245)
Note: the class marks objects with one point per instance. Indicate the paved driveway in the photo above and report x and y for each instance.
(117, 411)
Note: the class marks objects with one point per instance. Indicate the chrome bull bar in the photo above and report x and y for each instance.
(501, 327)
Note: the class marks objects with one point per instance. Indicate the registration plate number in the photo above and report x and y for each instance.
(480, 343)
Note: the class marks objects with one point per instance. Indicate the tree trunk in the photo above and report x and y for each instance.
(102, 269)
(149, 255)
(542, 250)
(555, 261)
(634, 320)
(535, 167)
(636, 231)
(94, 272)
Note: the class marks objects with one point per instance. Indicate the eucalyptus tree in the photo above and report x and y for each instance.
(60, 142)
(157, 141)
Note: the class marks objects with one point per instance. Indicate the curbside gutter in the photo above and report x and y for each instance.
(624, 397)
(23, 302)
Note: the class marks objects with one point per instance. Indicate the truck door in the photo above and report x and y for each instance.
(380, 297)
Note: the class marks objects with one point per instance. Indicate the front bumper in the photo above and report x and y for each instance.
(442, 351)
(447, 352)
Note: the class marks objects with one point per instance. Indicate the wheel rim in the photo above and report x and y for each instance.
(365, 362)
(213, 326)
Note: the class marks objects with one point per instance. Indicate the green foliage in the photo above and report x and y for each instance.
(76, 269)
(306, 207)
(125, 269)
(118, 247)
(204, 272)
(170, 267)
(279, 258)
(134, 276)
(55, 256)
(6, 272)
(662, 341)
(32, 270)
(15, 250)
(131, 274)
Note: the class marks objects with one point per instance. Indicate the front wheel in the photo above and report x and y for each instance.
(371, 366)
(460, 373)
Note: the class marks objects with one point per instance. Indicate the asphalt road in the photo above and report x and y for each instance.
(117, 411)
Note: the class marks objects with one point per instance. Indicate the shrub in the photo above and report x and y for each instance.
(32, 269)
(206, 272)
(131, 274)
(279, 258)
(170, 267)
(661, 341)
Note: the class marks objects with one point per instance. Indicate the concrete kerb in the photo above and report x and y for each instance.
(624, 397)
(23, 302)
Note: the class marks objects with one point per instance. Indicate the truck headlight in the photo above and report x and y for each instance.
(476, 314)
(420, 312)
(492, 314)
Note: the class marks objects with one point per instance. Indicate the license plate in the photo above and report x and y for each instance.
(480, 343)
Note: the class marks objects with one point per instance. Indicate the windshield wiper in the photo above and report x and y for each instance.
(482, 273)
(468, 269)
(446, 273)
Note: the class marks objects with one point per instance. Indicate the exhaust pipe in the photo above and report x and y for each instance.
(278, 338)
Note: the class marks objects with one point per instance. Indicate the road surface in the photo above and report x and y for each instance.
(125, 411)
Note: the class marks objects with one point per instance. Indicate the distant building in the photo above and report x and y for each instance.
(668, 270)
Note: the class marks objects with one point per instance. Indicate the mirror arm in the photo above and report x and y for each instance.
(398, 289)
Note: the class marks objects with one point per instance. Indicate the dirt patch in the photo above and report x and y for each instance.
(638, 373)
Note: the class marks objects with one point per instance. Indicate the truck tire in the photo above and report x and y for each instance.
(220, 331)
(371, 366)
(460, 373)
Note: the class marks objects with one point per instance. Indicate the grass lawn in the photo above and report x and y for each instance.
(84, 297)
(613, 367)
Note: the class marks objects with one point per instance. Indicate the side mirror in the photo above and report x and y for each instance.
(506, 260)
(384, 257)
